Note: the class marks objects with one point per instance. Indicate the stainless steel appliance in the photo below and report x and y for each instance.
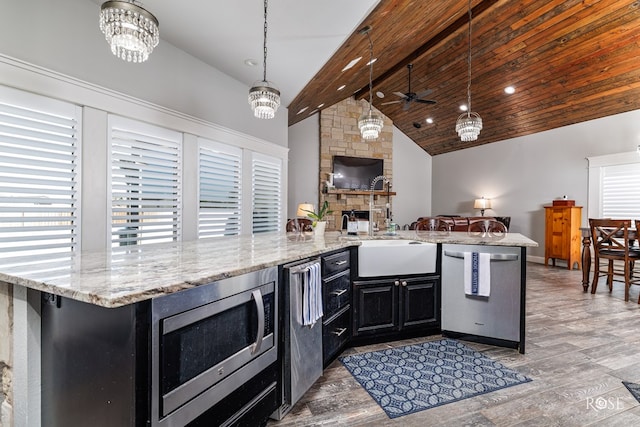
(499, 317)
(209, 341)
(204, 356)
(302, 352)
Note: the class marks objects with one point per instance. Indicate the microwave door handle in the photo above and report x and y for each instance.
(257, 297)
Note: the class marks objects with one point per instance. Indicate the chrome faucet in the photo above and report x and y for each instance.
(371, 206)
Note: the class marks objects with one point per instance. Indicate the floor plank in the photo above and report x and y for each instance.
(580, 347)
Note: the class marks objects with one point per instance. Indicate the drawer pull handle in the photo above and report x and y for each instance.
(338, 292)
(343, 262)
(339, 331)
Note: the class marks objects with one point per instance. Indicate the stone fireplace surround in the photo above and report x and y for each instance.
(339, 135)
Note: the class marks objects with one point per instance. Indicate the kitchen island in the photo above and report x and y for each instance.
(131, 279)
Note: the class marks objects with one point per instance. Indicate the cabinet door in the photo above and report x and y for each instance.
(419, 306)
(375, 306)
(559, 233)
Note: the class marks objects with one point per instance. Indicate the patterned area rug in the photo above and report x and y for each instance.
(413, 378)
(633, 388)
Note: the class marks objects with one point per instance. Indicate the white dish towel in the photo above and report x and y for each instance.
(312, 295)
(477, 274)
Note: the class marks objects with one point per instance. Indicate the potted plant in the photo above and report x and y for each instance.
(319, 222)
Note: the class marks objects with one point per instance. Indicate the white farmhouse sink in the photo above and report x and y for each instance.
(396, 257)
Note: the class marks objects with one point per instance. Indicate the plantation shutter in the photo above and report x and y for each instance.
(146, 164)
(220, 195)
(266, 175)
(621, 191)
(38, 178)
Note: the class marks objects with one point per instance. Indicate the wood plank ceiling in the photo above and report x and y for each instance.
(569, 61)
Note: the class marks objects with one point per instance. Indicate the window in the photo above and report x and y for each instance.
(38, 178)
(220, 189)
(614, 186)
(266, 194)
(146, 181)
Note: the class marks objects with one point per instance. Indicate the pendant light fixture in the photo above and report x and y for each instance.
(469, 124)
(131, 31)
(264, 97)
(370, 124)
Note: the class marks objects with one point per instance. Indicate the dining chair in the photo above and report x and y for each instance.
(432, 224)
(486, 227)
(299, 225)
(612, 243)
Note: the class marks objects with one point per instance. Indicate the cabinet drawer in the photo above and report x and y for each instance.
(336, 331)
(335, 263)
(336, 292)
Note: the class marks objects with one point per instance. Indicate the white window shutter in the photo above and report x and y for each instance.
(220, 189)
(39, 169)
(266, 175)
(621, 191)
(146, 170)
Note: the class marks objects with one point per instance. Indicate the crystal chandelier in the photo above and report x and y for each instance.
(370, 124)
(469, 124)
(264, 97)
(131, 31)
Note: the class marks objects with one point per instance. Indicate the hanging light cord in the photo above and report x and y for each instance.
(264, 75)
(469, 74)
(370, 71)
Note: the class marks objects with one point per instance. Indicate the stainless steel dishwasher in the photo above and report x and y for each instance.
(302, 349)
(498, 318)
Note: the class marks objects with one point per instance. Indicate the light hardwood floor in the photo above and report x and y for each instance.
(579, 349)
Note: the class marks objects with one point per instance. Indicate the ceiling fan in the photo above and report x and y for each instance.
(410, 97)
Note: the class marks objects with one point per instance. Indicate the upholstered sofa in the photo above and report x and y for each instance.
(461, 223)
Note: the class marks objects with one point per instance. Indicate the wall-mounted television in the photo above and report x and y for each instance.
(356, 173)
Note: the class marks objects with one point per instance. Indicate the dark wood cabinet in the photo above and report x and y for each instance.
(395, 305)
(336, 302)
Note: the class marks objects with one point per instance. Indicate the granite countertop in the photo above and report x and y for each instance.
(131, 274)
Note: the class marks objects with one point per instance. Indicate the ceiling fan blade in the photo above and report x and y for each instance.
(401, 95)
(425, 101)
(391, 102)
(423, 93)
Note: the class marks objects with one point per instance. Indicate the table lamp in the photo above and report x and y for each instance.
(482, 204)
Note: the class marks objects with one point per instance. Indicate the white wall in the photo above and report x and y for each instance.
(521, 175)
(411, 180)
(304, 163)
(63, 36)
(411, 172)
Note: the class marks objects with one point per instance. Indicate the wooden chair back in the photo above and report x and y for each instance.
(299, 225)
(432, 224)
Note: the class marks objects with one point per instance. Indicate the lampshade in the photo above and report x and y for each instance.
(303, 208)
(482, 203)
(131, 31)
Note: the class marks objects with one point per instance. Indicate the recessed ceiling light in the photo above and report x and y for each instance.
(351, 64)
(380, 94)
(463, 107)
(302, 110)
(321, 105)
(429, 120)
(313, 112)
(372, 61)
(342, 87)
(510, 90)
(250, 62)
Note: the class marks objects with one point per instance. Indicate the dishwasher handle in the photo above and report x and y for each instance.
(494, 257)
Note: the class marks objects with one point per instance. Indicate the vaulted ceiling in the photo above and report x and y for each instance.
(568, 60)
